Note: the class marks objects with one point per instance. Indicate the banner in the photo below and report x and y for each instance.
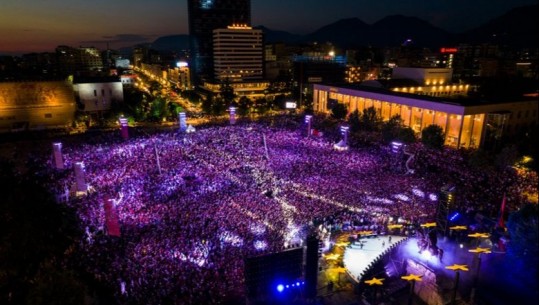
(125, 128)
(111, 217)
(57, 155)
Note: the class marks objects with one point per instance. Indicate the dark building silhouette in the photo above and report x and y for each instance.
(206, 16)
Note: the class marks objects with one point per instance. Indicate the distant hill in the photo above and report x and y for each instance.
(394, 30)
(351, 32)
(518, 27)
(279, 36)
(171, 43)
(345, 32)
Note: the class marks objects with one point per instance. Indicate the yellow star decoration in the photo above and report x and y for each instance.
(332, 256)
(479, 235)
(458, 228)
(340, 270)
(428, 225)
(374, 281)
(395, 226)
(342, 244)
(456, 267)
(480, 250)
(364, 232)
(412, 277)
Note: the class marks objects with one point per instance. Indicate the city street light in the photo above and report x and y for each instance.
(411, 278)
(457, 269)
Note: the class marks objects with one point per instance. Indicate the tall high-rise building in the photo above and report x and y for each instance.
(206, 16)
(237, 54)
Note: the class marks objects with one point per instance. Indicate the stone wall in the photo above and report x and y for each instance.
(36, 105)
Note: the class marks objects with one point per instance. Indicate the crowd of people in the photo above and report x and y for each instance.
(192, 206)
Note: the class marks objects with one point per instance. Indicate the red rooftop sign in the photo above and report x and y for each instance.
(448, 50)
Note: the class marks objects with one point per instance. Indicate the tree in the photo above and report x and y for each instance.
(207, 104)
(391, 129)
(354, 121)
(219, 105)
(244, 105)
(174, 109)
(406, 135)
(433, 136)
(261, 105)
(158, 109)
(370, 119)
(339, 111)
(308, 104)
(227, 93)
(191, 96)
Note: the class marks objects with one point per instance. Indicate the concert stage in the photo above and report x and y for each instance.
(357, 258)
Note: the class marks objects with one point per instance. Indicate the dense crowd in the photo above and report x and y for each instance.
(192, 206)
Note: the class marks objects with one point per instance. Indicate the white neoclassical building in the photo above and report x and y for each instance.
(463, 122)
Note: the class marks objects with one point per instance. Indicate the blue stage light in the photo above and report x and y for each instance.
(280, 287)
(454, 216)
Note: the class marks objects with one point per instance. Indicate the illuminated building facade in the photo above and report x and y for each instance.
(206, 16)
(429, 81)
(465, 126)
(180, 76)
(79, 61)
(252, 90)
(36, 105)
(238, 54)
(97, 94)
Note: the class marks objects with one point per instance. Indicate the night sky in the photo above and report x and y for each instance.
(41, 25)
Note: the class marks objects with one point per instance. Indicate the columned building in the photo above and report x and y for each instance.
(465, 124)
(237, 54)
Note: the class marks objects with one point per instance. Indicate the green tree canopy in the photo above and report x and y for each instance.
(227, 93)
(244, 105)
(370, 119)
(354, 121)
(339, 111)
(158, 109)
(433, 136)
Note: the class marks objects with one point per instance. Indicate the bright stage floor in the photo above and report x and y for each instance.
(356, 259)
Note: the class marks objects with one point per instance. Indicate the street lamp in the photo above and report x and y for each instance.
(411, 278)
(478, 251)
(457, 269)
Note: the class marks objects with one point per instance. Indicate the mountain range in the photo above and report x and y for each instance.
(518, 28)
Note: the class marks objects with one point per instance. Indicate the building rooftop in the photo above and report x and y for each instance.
(459, 101)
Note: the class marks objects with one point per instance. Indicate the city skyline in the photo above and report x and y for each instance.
(39, 26)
